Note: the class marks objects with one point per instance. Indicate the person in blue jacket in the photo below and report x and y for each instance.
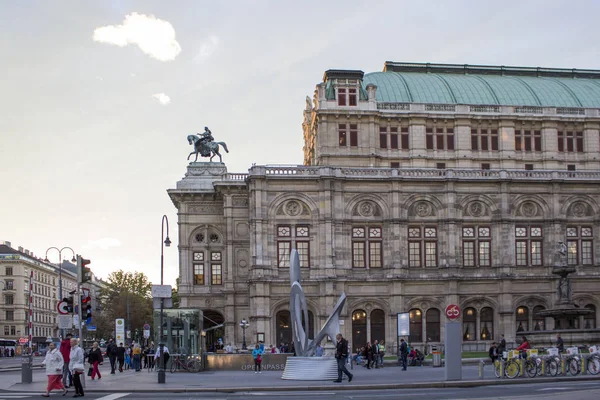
(257, 354)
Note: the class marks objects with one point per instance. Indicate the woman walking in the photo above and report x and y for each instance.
(54, 366)
(257, 354)
(95, 358)
(76, 366)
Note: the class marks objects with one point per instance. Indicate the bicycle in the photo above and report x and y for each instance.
(185, 363)
(573, 361)
(512, 369)
(594, 363)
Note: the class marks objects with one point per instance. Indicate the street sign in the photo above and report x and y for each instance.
(62, 307)
(91, 328)
(65, 322)
(146, 333)
(146, 327)
(452, 312)
(162, 291)
(403, 324)
(120, 330)
(23, 340)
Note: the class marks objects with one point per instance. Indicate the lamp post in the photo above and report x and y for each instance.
(60, 293)
(244, 325)
(163, 242)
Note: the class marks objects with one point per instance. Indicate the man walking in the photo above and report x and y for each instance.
(111, 351)
(341, 354)
(375, 351)
(121, 356)
(403, 354)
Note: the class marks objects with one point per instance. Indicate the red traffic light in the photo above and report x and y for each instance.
(84, 262)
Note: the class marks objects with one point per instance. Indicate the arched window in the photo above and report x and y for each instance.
(469, 321)
(589, 321)
(359, 328)
(432, 325)
(283, 327)
(539, 323)
(377, 325)
(212, 318)
(415, 325)
(486, 320)
(522, 319)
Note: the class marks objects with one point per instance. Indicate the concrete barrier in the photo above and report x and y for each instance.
(245, 362)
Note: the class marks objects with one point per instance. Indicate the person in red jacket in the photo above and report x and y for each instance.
(524, 347)
(65, 350)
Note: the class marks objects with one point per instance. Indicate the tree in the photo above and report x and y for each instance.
(175, 294)
(126, 291)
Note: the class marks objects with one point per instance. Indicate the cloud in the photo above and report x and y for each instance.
(153, 36)
(207, 48)
(103, 243)
(162, 98)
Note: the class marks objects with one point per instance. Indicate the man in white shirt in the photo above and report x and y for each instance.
(228, 348)
(157, 356)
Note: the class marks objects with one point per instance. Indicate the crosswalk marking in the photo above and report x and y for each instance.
(113, 396)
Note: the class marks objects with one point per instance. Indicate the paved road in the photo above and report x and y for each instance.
(552, 391)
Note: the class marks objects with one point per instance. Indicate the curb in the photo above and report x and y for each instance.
(385, 386)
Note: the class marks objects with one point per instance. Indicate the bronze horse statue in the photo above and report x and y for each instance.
(205, 149)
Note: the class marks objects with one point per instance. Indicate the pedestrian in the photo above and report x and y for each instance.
(257, 354)
(501, 346)
(403, 354)
(375, 351)
(381, 353)
(65, 351)
(137, 351)
(121, 356)
(111, 352)
(76, 359)
(341, 354)
(319, 350)
(560, 345)
(54, 369)
(493, 352)
(95, 359)
(368, 354)
(166, 355)
(151, 352)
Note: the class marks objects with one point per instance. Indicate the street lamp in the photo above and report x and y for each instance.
(244, 325)
(60, 259)
(163, 242)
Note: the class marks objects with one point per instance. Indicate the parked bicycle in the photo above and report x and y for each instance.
(594, 361)
(509, 363)
(185, 363)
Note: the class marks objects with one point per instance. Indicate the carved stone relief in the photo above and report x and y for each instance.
(529, 209)
(240, 202)
(293, 208)
(579, 209)
(366, 209)
(423, 209)
(205, 208)
(476, 209)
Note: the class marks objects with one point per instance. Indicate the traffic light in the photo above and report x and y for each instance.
(86, 308)
(83, 272)
(69, 301)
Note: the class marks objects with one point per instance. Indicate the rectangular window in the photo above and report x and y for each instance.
(484, 139)
(529, 167)
(580, 245)
(10, 285)
(353, 135)
(422, 246)
(443, 139)
(404, 138)
(382, 139)
(528, 246)
(342, 134)
(341, 96)
(352, 97)
(571, 167)
(6, 330)
(394, 164)
(216, 272)
(9, 271)
(367, 247)
(570, 139)
(9, 299)
(528, 139)
(393, 137)
(476, 246)
(289, 237)
(10, 315)
(440, 165)
(198, 274)
(13, 330)
(485, 166)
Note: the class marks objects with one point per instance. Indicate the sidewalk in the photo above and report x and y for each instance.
(233, 381)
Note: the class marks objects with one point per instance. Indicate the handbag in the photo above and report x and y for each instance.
(258, 358)
(78, 368)
(90, 369)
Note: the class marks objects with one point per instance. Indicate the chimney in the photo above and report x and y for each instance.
(21, 249)
(7, 243)
(27, 251)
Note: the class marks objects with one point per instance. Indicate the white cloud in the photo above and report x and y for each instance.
(207, 48)
(153, 36)
(103, 243)
(162, 98)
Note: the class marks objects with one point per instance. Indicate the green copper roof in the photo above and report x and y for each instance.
(485, 88)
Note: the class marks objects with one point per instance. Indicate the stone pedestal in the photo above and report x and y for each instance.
(201, 175)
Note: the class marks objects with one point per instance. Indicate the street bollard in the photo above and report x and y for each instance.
(26, 368)
(481, 368)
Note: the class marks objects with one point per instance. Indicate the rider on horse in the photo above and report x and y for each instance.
(205, 137)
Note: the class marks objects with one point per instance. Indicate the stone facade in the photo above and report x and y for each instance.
(400, 229)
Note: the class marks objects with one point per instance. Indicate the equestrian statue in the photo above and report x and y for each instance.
(205, 145)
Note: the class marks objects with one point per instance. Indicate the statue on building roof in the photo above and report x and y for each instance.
(205, 145)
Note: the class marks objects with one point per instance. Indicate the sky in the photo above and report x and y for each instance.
(97, 97)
